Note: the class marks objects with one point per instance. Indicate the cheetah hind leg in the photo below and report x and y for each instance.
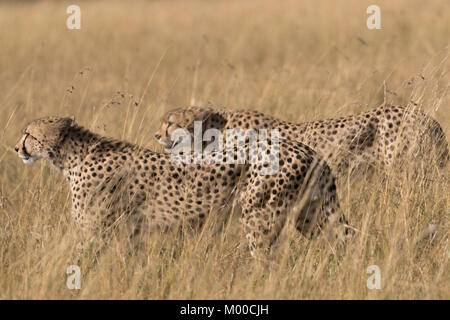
(321, 213)
(336, 225)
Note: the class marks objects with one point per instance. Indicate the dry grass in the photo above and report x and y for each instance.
(296, 60)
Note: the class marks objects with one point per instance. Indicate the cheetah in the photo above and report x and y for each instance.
(378, 136)
(112, 180)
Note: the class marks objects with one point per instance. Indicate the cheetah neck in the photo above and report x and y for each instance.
(75, 147)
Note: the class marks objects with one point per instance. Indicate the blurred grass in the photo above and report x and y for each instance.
(297, 60)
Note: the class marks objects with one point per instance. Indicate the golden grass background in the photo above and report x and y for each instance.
(297, 60)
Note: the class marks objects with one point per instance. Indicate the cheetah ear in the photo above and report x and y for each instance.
(66, 123)
(61, 127)
(72, 121)
(201, 114)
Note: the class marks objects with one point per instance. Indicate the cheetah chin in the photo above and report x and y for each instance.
(27, 159)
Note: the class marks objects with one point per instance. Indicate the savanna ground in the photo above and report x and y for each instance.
(297, 60)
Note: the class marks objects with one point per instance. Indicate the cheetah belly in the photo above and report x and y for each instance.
(189, 201)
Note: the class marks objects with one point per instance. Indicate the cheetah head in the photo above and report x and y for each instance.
(182, 118)
(42, 138)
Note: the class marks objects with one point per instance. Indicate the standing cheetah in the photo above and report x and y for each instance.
(111, 179)
(375, 137)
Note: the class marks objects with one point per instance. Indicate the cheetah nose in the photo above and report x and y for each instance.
(17, 149)
(157, 136)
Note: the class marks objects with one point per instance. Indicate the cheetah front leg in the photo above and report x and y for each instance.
(261, 228)
(264, 212)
